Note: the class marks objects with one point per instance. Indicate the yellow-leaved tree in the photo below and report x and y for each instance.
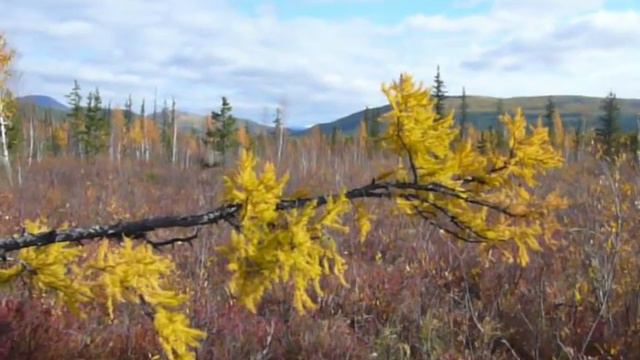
(487, 199)
(476, 198)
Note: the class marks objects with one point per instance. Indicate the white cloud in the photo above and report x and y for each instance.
(198, 50)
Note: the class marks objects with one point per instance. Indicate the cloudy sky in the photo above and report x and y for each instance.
(321, 59)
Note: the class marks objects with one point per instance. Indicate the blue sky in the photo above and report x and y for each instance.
(378, 11)
(320, 59)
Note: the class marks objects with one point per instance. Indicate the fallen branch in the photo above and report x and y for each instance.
(229, 212)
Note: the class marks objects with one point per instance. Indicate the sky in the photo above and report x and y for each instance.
(319, 59)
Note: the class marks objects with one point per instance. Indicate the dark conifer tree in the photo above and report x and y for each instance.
(76, 118)
(464, 116)
(550, 111)
(439, 93)
(608, 130)
(128, 113)
(223, 135)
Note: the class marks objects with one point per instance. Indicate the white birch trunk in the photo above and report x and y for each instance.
(280, 130)
(5, 146)
(31, 139)
(638, 137)
(111, 144)
(174, 142)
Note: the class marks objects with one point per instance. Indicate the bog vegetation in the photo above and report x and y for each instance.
(419, 237)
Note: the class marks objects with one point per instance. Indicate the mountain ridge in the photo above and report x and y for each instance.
(482, 112)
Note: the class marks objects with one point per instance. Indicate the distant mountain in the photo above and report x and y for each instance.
(43, 101)
(483, 111)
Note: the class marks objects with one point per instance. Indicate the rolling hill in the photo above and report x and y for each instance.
(483, 111)
(42, 101)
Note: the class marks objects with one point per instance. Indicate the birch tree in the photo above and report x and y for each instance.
(3, 138)
(6, 55)
(279, 125)
(174, 124)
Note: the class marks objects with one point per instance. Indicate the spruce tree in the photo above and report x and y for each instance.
(143, 125)
(279, 132)
(608, 130)
(224, 131)
(464, 108)
(14, 129)
(89, 120)
(370, 117)
(97, 125)
(439, 93)
(76, 117)
(100, 129)
(128, 113)
(550, 111)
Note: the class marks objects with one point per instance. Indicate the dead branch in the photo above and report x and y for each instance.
(229, 212)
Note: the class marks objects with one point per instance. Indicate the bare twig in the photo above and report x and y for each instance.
(176, 240)
(611, 269)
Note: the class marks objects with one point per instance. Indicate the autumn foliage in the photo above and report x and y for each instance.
(417, 243)
(446, 182)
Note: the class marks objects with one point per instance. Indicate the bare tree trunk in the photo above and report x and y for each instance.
(144, 139)
(638, 138)
(5, 146)
(280, 130)
(174, 142)
(112, 147)
(145, 153)
(31, 139)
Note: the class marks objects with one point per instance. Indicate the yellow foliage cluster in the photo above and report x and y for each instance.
(51, 268)
(127, 273)
(136, 133)
(243, 137)
(176, 337)
(272, 246)
(133, 274)
(6, 55)
(483, 197)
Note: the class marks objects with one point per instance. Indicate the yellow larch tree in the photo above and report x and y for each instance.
(242, 135)
(448, 182)
(558, 132)
(118, 133)
(484, 199)
(61, 136)
(135, 138)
